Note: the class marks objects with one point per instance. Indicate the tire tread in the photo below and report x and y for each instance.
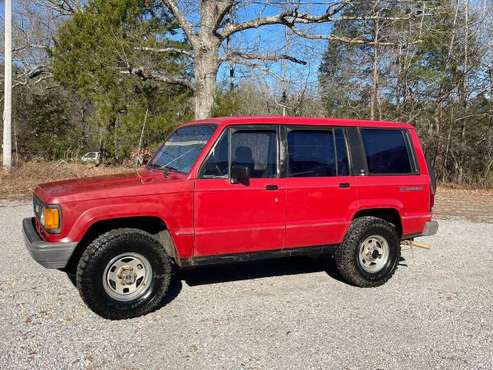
(345, 253)
(96, 250)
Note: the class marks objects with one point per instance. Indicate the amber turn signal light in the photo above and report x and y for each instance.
(51, 218)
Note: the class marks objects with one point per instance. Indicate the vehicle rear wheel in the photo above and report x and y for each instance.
(369, 254)
(124, 273)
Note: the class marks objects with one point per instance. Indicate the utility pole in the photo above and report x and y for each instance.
(7, 101)
(285, 81)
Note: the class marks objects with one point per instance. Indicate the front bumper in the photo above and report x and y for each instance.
(50, 255)
(431, 228)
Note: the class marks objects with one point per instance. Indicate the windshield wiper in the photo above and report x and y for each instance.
(166, 168)
(161, 167)
(171, 168)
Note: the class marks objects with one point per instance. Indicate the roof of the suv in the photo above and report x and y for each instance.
(288, 120)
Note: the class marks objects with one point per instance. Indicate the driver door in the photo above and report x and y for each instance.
(232, 218)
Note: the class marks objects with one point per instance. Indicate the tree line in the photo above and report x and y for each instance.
(116, 75)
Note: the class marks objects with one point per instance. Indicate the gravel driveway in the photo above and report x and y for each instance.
(437, 311)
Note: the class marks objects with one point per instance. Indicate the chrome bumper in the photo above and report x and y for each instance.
(431, 228)
(49, 255)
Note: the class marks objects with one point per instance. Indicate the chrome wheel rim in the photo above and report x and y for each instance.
(374, 253)
(127, 277)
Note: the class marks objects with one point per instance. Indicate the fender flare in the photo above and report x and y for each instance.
(108, 212)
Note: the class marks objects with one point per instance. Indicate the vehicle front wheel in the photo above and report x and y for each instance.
(124, 273)
(370, 252)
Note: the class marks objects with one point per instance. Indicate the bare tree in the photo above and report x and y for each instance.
(207, 35)
(35, 23)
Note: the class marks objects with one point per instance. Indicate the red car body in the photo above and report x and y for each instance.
(209, 217)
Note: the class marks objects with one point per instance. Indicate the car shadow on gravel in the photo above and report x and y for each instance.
(174, 290)
(216, 274)
(222, 273)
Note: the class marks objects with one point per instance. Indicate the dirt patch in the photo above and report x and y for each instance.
(454, 203)
(20, 183)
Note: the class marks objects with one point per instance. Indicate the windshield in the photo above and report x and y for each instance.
(182, 148)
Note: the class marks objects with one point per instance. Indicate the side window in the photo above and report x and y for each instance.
(256, 149)
(217, 163)
(311, 153)
(342, 157)
(386, 151)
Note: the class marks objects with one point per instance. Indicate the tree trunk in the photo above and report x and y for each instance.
(447, 147)
(375, 103)
(464, 92)
(205, 71)
(206, 48)
(436, 134)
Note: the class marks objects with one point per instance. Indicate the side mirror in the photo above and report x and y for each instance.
(240, 174)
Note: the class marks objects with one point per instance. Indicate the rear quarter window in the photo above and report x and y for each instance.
(386, 151)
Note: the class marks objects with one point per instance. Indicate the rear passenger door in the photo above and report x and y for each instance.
(392, 178)
(319, 189)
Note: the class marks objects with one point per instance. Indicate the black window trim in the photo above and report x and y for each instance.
(352, 137)
(348, 152)
(301, 127)
(200, 174)
(410, 152)
(229, 130)
(357, 165)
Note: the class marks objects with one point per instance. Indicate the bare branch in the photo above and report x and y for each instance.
(347, 40)
(166, 50)
(287, 17)
(62, 7)
(36, 71)
(222, 14)
(237, 56)
(160, 76)
(255, 23)
(184, 23)
(24, 78)
(312, 20)
(291, 17)
(30, 46)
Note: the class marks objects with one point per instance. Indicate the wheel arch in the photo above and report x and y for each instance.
(153, 225)
(391, 215)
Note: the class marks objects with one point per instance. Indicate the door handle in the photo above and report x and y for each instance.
(344, 185)
(271, 187)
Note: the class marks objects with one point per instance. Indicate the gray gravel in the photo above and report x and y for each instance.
(436, 312)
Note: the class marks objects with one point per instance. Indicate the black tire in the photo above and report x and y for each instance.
(347, 254)
(97, 256)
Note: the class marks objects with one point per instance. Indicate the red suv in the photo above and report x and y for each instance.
(234, 189)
